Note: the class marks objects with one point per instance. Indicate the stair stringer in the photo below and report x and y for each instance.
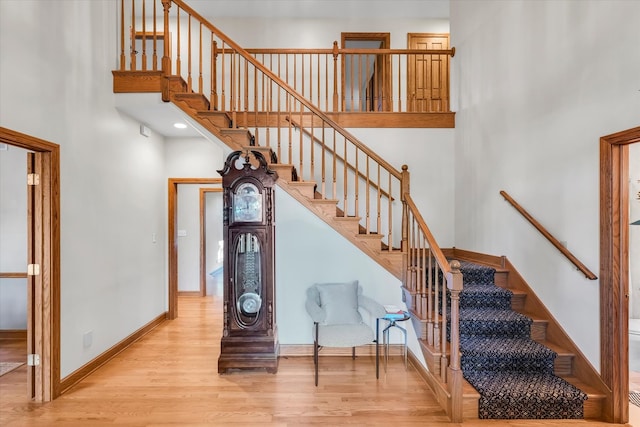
(325, 209)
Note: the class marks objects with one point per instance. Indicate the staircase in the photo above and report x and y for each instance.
(368, 202)
(516, 360)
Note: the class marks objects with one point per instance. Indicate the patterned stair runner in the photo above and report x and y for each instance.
(513, 374)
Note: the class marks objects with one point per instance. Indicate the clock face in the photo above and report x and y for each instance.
(247, 204)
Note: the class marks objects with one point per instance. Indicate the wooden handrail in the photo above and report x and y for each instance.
(437, 252)
(555, 242)
(289, 51)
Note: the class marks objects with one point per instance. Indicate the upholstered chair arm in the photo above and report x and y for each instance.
(315, 311)
(372, 306)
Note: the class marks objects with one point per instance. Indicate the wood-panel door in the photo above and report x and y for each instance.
(427, 75)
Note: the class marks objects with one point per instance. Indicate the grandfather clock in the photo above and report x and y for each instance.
(249, 339)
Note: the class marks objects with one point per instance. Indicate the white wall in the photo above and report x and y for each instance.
(56, 59)
(320, 33)
(536, 84)
(13, 237)
(309, 251)
(429, 154)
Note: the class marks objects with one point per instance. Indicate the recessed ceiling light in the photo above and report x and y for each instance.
(180, 125)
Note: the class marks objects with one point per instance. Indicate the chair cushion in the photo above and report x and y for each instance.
(340, 303)
(345, 335)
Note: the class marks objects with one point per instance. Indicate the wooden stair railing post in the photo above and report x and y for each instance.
(166, 55)
(132, 50)
(123, 58)
(404, 245)
(213, 105)
(454, 373)
(144, 36)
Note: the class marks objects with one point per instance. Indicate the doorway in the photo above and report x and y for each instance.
(211, 241)
(173, 236)
(43, 263)
(614, 271)
(366, 78)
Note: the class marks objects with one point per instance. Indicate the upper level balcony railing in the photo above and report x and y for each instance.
(364, 80)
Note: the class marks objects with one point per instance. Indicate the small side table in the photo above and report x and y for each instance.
(392, 322)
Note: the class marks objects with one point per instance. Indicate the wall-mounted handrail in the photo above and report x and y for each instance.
(555, 242)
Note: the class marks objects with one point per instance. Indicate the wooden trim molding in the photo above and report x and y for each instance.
(12, 334)
(13, 275)
(189, 294)
(614, 271)
(78, 375)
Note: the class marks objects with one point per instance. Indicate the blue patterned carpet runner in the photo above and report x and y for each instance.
(513, 374)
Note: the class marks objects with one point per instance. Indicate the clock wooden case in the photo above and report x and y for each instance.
(249, 338)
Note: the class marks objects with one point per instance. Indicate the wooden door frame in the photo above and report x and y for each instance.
(385, 64)
(44, 249)
(203, 237)
(614, 271)
(172, 236)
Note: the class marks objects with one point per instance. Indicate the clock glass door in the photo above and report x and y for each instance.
(247, 278)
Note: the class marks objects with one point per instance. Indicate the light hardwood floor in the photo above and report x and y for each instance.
(169, 377)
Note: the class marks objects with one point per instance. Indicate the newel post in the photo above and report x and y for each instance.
(454, 283)
(404, 190)
(166, 55)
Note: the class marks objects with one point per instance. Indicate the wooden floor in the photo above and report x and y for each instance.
(169, 377)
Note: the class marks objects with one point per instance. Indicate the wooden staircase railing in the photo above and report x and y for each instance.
(429, 278)
(239, 91)
(363, 80)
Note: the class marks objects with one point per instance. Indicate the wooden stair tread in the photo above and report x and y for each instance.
(369, 236)
(348, 218)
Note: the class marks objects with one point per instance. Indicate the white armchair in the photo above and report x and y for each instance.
(337, 322)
